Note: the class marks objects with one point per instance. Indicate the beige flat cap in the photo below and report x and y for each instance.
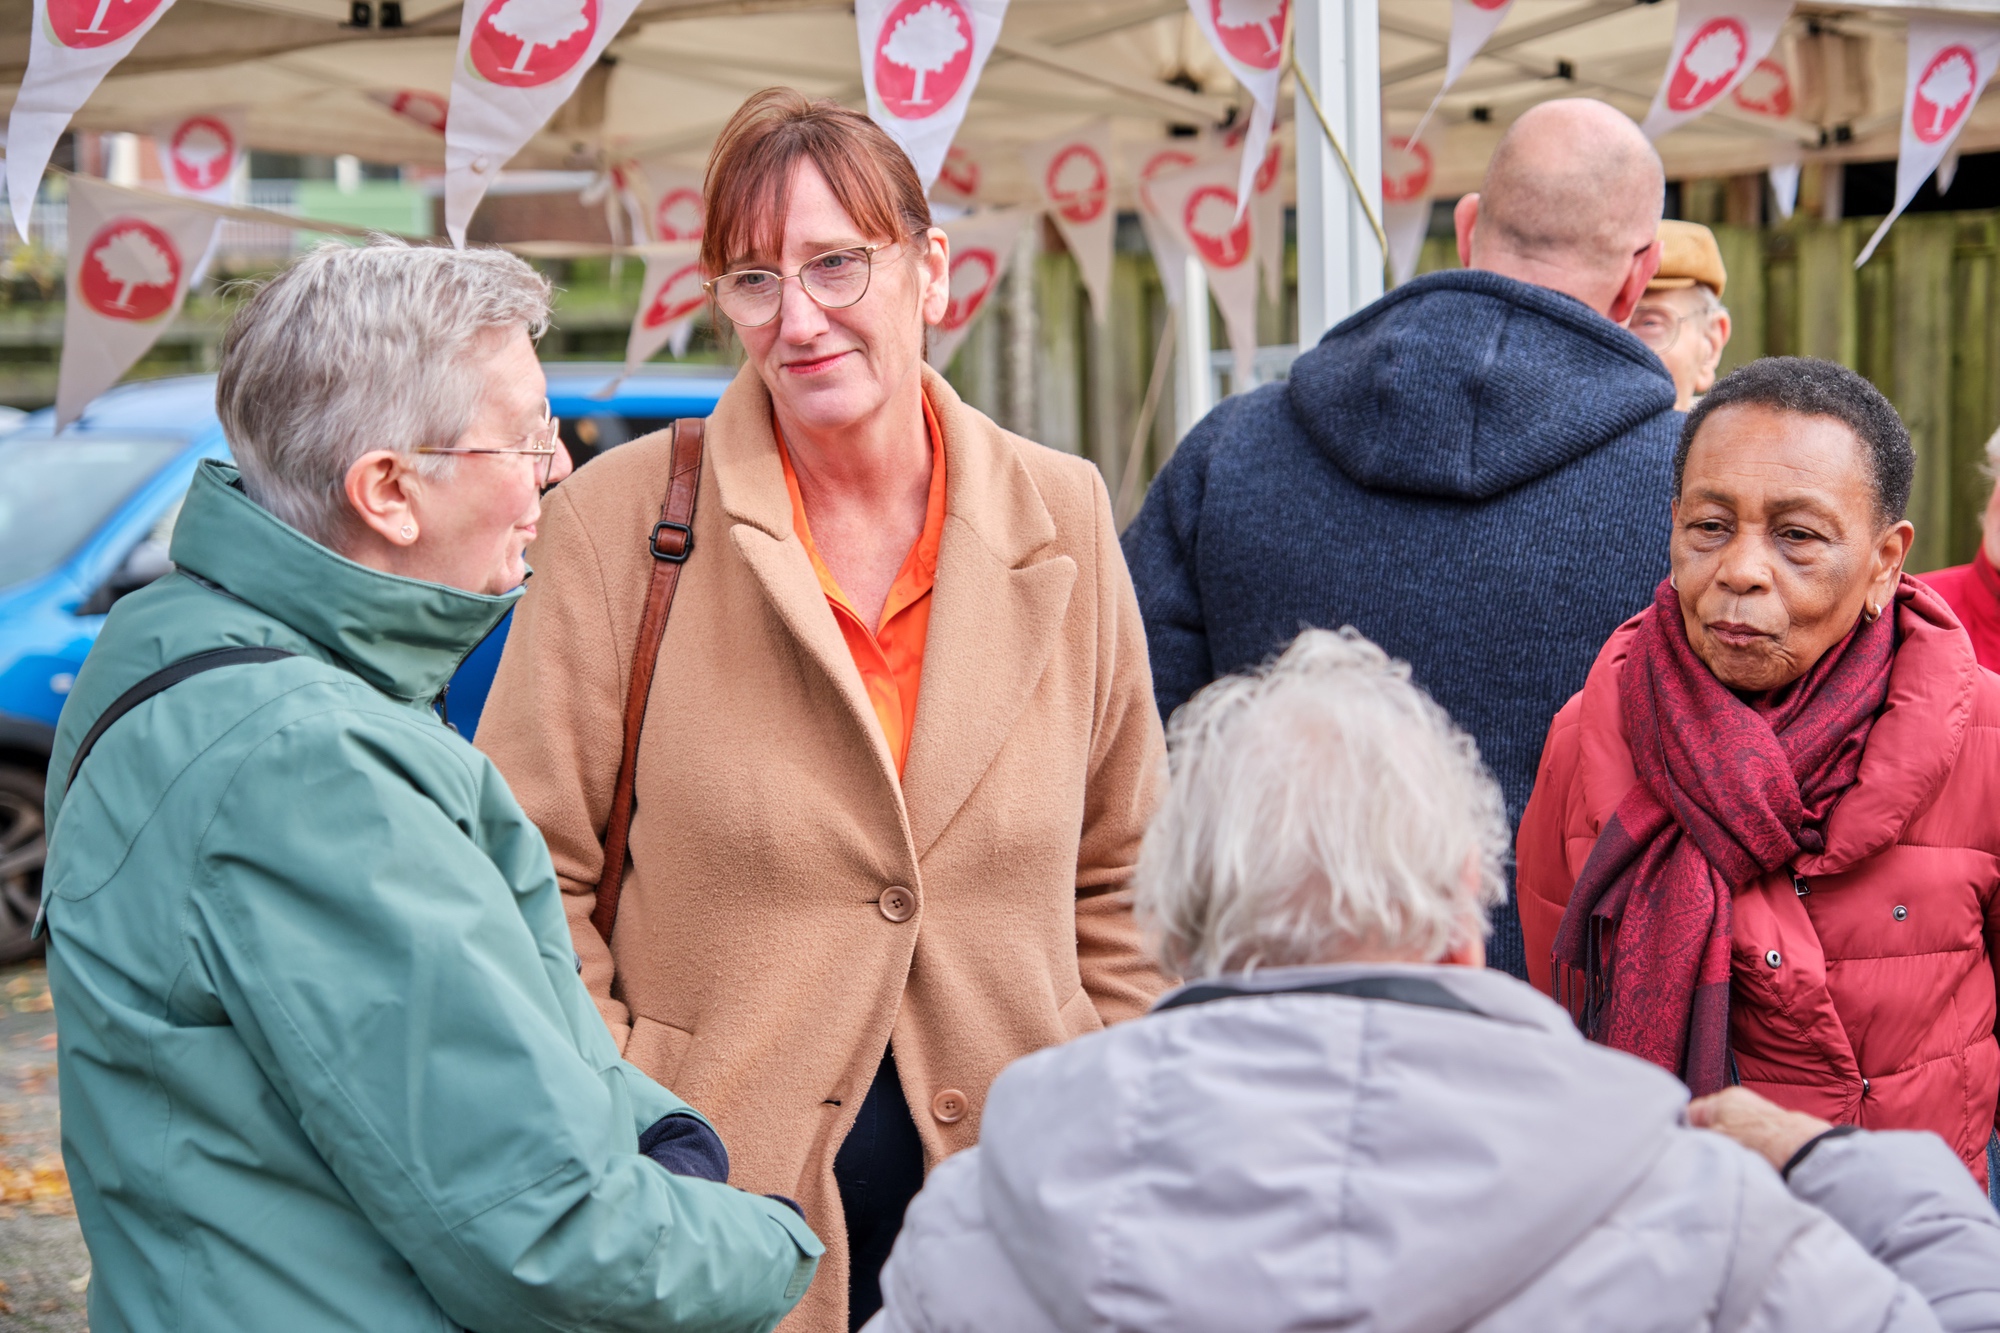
(1690, 256)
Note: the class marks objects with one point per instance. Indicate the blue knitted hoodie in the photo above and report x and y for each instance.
(1473, 471)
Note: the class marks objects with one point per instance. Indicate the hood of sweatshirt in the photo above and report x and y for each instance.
(1464, 384)
(1309, 1160)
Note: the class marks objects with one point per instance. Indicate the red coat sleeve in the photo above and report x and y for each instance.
(1542, 875)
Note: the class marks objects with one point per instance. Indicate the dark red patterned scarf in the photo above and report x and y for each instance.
(1728, 791)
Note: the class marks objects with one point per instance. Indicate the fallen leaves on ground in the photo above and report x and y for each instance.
(44, 1182)
(29, 994)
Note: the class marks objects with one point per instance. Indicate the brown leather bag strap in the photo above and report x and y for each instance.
(671, 543)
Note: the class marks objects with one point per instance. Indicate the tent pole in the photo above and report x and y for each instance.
(1194, 382)
(1339, 51)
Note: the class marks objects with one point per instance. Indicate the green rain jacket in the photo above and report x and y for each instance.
(325, 1060)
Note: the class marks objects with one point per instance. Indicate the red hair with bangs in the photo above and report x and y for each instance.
(749, 180)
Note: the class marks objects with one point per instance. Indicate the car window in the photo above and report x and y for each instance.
(54, 493)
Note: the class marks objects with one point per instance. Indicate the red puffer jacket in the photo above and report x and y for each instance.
(1864, 992)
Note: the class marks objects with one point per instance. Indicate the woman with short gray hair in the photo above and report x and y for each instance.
(326, 1061)
(1342, 1121)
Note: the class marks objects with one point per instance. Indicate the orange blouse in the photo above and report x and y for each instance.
(891, 656)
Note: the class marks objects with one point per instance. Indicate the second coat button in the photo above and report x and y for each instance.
(898, 903)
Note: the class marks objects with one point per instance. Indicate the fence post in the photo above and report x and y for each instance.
(1920, 374)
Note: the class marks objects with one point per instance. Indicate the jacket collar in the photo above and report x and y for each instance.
(996, 609)
(987, 490)
(1910, 752)
(1474, 991)
(403, 636)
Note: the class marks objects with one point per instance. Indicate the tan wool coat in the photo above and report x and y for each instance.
(754, 969)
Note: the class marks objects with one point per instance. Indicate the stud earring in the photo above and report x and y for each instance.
(409, 532)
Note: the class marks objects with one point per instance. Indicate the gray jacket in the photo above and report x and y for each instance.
(1447, 1155)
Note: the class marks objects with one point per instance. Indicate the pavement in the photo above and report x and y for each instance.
(44, 1268)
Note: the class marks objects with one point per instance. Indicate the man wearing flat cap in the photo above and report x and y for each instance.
(1681, 316)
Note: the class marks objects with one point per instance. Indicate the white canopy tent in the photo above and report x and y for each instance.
(310, 82)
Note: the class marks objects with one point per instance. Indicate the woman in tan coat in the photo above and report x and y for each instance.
(901, 744)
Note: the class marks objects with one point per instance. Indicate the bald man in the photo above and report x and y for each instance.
(1473, 471)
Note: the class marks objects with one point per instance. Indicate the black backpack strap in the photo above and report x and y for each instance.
(164, 679)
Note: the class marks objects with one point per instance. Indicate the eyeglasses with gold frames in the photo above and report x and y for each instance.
(544, 443)
(835, 280)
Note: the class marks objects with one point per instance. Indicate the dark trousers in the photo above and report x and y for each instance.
(879, 1170)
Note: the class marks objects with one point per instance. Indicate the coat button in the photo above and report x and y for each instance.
(1773, 958)
(1901, 912)
(949, 1106)
(898, 903)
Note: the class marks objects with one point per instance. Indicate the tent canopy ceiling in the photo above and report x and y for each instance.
(310, 84)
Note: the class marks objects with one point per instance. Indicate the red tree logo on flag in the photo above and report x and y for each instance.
(1267, 170)
(678, 297)
(1944, 93)
(1212, 225)
(1765, 91)
(1077, 182)
(960, 173)
(679, 216)
(88, 23)
(1164, 161)
(922, 56)
(1406, 171)
(1711, 60)
(131, 270)
(1488, 5)
(202, 150)
(973, 274)
(425, 109)
(526, 43)
(1251, 30)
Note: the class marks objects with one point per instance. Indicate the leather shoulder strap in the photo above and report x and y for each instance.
(670, 544)
(164, 679)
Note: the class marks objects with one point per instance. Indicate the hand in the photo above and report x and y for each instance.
(1760, 1125)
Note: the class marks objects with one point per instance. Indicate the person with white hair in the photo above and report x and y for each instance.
(326, 1062)
(1343, 1121)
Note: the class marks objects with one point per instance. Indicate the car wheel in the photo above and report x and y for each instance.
(23, 848)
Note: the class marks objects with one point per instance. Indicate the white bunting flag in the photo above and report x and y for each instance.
(130, 256)
(72, 46)
(199, 153)
(1949, 63)
(1201, 207)
(981, 245)
(1249, 36)
(669, 300)
(1073, 173)
(1785, 187)
(414, 105)
(518, 61)
(1406, 203)
(959, 179)
(669, 196)
(1472, 23)
(1267, 221)
(920, 60)
(1150, 162)
(1718, 44)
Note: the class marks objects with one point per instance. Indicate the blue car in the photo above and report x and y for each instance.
(86, 517)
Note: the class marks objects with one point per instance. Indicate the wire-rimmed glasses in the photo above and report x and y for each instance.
(835, 280)
(544, 443)
(1657, 326)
